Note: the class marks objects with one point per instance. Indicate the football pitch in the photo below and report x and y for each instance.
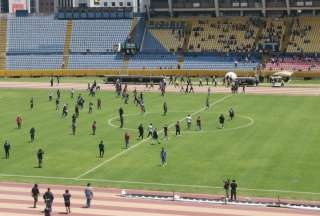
(271, 147)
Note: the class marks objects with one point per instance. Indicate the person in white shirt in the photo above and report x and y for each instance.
(189, 121)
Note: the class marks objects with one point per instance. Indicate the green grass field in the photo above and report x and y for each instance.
(271, 147)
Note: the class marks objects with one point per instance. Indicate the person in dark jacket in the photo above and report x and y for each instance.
(32, 134)
(35, 195)
(101, 149)
(233, 186)
(40, 154)
(6, 147)
(48, 199)
(163, 156)
(141, 131)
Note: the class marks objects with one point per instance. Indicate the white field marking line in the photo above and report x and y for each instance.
(225, 129)
(156, 184)
(137, 114)
(143, 141)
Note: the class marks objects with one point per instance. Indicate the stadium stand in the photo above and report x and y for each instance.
(273, 31)
(224, 35)
(3, 42)
(97, 61)
(16, 62)
(213, 62)
(98, 35)
(294, 63)
(158, 61)
(29, 35)
(305, 35)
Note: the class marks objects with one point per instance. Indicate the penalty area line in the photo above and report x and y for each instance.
(155, 184)
(143, 141)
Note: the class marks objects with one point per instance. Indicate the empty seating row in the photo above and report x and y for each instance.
(98, 35)
(109, 61)
(156, 61)
(36, 35)
(16, 62)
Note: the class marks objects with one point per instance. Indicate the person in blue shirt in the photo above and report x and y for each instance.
(163, 156)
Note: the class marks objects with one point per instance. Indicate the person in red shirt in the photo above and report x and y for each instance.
(126, 139)
(19, 121)
(94, 127)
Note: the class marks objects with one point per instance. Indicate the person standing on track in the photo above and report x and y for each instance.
(35, 195)
(233, 186)
(226, 186)
(67, 201)
(89, 195)
(48, 199)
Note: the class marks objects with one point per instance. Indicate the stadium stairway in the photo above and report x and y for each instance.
(187, 36)
(287, 35)
(67, 44)
(3, 42)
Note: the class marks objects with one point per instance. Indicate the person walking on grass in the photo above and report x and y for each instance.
(163, 156)
(177, 128)
(35, 195)
(101, 149)
(67, 201)
(150, 130)
(221, 121)
(57, 103)
(40, 154)
(126, 139)
(32, 134)
(6, 147)
(99, 104)
(31, 103)
(94, 127)
(233, 186)
(199, 123)
(189, 121)
(165, 132)
(19, 121)
(141, 131)
(155, 136)
(74, 127)
(121, 112)
(89, 195)
(165, 108)
(231, 114)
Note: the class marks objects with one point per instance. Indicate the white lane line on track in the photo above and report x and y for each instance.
(144, 140)
(155, 184)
